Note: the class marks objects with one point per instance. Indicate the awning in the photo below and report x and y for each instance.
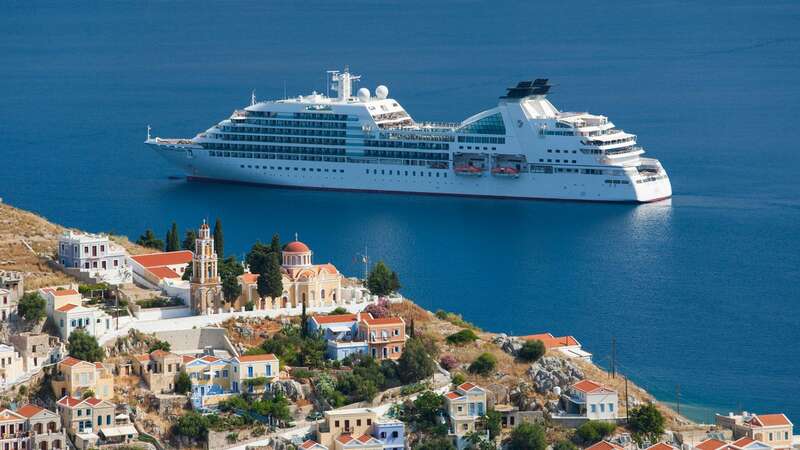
(340, 329)
(122, 430)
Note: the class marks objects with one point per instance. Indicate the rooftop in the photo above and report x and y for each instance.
(163, 258)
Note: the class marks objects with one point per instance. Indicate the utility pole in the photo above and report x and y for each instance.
(613, 357)
(627, 402)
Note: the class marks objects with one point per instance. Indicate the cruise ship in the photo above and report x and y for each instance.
(522, 148)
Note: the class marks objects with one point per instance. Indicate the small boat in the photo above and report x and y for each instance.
(505, 172)
(469, 171)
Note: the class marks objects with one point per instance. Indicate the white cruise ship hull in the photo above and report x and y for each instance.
(420, 180)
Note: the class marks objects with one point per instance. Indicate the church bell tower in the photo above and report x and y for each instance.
(206, 286)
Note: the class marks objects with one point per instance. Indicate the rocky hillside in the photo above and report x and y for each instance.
(27, 241)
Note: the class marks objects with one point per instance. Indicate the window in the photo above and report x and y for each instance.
(611, 407)
(602, 407)
(594, 408)
(250, 371)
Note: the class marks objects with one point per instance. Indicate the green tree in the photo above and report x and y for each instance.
(159, 345)
(83, 345)
(339, 310)
(270, 282)
(188, 240)
(303, 321)
(219, 241)
(192, 425)
(492, 421)
(149, 239)
(256, 258)
(646, 423)
(229, 271)
(382, 281)
(183, 383)
(593, 432)
(439, 443)
(187, 274)
(458, 379)
(422, 415)
(173, 242)
(527, 436)
(483, 364)
(87, 394)
(415, 363)
(531, 351)
(32, 307)
(275, 244)
(564, 445)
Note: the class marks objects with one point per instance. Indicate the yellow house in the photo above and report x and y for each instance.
(774, 430)
(345, 422)
(56, 298)
(75, 377)
(264, 369)
(465, 406)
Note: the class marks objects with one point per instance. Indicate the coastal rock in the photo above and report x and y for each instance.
(522, 396)
(550, 371)
(291, 389)
(508, 344)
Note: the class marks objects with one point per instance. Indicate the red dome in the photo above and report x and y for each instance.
(296, 247)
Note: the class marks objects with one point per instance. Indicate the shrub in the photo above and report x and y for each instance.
(455, 319)
(415, 363)
(592, 432)
(159, 345)
(464, 336)
(192, 425)
(302, 373)
(232, 438)
(527, 436)
(183, 383)
(83, 345)
(483, 364)
(337, 311)
(646, 423)
(564, 445)
(32, 307)
(531, 351)
(448, 362)
(458, 379)
(379, 309)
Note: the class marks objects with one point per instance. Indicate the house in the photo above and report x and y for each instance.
(75, 377)
(151, 269)
(56, 298)
(211, 379)
(745, 443)
(772, 429)
(385, 336)
(70, 317)
(31, 427)
(14, 283)
(661, 446)
(37, 349)
(8, 304)
(712, 444)
(567, 345)
(465, 405)
(158, 369)
(93, 255)
(43, 427)
(84, 418)
(591, 400)
(341, 334)
(10, 365)
(359, 428)
(254, 373)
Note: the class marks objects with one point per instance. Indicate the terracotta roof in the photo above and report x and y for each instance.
(188, 358)
(589, 386)
(551, 341)
(364, 438)
(344, 438)
(163, 258)
(71, 361)
(7, 415)
(93, 401)
(66, 308)
(770, 420)
(142, 358)
(382, 321)
(336, 318)
(711, 444)
(467, 386)
(250, 278)
(309, 444)
(661, 446)
(264, 357)
(604, 445)
(209, 358)
(742, 442)
(61, 292)
(69, 401)
(163, 272)
(452, 395)
(29, 410)
(296, 247)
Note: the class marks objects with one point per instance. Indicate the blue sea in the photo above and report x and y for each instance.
(701, 293)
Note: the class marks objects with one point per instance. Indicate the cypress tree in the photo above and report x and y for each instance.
(304, 321)
(219, 242)
(166, 240)
(173, 240)
(270, 283)
(188, 241)
(275, 245)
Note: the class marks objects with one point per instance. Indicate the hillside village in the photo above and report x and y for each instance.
(171, 343)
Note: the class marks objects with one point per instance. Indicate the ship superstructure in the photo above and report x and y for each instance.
(522, 148)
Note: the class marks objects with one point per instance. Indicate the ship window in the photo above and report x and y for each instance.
(549, 160)
(341, 170)
(573, 161)
(549, 150)
(487, 125)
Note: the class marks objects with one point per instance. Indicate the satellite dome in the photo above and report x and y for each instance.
(381, 92)
(363, 94)
(557, 390)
